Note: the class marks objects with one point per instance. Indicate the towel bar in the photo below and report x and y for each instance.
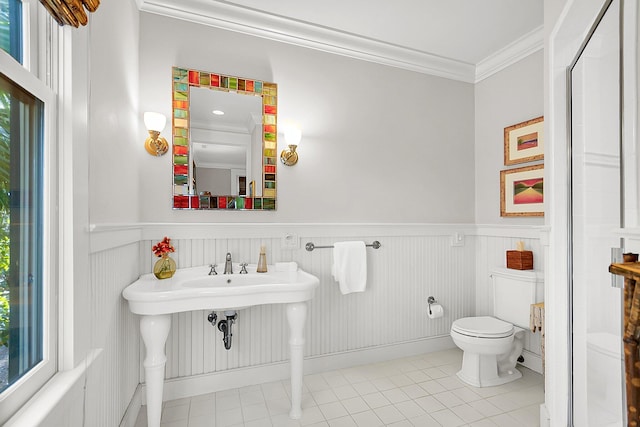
(310, 246)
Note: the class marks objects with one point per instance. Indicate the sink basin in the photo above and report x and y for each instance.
(193, 289)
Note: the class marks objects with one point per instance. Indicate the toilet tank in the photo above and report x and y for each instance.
(513, 293)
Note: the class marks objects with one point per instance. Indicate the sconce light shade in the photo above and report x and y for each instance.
(155, 121)
(155, 144)
(292, 136)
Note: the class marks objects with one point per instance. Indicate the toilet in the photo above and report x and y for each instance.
(491, 345)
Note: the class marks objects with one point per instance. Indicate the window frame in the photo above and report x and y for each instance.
(37, 55)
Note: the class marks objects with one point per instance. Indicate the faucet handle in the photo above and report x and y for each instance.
(244, 268)
(213, 271)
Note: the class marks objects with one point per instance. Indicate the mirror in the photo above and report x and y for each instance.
(223, 161)
(225, 145)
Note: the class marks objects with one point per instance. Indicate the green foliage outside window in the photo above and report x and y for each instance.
(5, 35)
(11, 28)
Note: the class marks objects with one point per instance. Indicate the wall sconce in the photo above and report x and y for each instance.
(292, 136)
(155, 144)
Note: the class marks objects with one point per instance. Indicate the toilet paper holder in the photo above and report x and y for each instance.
(431, 300)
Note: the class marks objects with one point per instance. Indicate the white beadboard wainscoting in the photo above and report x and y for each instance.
(401, 275)
(114, 377)
(389, 320)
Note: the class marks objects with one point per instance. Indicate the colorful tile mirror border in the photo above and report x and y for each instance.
(183, 80)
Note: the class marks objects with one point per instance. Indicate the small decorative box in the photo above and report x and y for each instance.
(520, 260)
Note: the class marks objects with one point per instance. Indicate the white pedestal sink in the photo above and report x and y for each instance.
(193, 289)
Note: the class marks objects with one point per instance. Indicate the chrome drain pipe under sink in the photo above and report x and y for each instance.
(225, 326)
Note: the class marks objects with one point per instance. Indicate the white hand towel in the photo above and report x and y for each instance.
(350, 266)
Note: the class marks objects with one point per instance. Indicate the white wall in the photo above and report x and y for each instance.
(379, 144)
(115, 136)
(511, 96)
(115, 126)
(114, 181)
(102, 91)
(217, 181)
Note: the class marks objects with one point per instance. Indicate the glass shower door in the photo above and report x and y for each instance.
(595, 214)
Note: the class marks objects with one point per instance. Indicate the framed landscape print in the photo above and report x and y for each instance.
(524, 142)
(521, 191)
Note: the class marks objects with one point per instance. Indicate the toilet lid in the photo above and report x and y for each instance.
(483, 326)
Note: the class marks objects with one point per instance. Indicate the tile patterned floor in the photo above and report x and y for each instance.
(421, 391)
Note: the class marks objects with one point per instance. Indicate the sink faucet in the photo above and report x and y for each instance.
(243, 270)
(228, 267)
(213, 271)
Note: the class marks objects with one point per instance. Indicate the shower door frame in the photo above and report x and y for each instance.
(570, 209)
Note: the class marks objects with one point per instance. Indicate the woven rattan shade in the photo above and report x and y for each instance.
(70, 12)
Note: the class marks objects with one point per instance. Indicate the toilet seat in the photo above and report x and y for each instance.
(483, 327)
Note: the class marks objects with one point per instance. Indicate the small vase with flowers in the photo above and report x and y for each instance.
(165, 267)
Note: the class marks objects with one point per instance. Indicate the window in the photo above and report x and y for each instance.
(21, 226)
(28, 186)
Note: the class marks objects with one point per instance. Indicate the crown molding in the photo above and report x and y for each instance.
(275, 27)
(510, 54)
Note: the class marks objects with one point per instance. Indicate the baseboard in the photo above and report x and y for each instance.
(131, 414)
(532, 361)
(377, 354)
(177, 388)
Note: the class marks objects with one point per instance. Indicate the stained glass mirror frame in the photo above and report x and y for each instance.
(183, 80)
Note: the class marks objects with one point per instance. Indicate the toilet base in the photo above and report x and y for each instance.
(481, 370)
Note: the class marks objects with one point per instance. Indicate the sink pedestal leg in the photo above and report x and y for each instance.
(154, 330)
(296, 315)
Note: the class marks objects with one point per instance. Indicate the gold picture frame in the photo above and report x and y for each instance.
(521, 191)
(524, 142)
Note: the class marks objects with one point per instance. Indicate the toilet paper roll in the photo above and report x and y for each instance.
(435, 311)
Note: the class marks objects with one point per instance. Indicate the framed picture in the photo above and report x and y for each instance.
(521, 191)
(524, 142)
